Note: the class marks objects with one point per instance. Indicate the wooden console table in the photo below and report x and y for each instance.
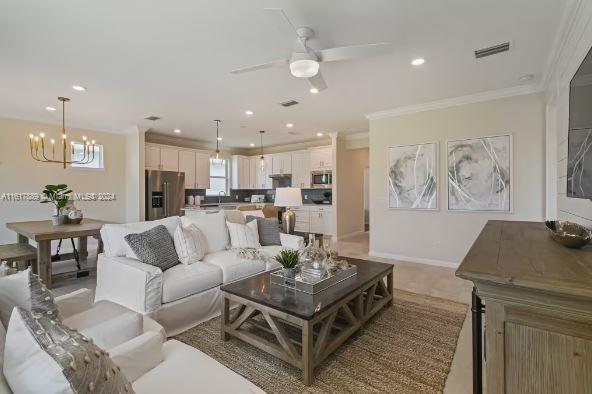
(537, 298)
(43, 232)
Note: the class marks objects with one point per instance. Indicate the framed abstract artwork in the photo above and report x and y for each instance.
(579, 163)
(413, 176)
(479, 174)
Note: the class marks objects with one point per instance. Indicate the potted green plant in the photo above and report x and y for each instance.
(288, 258)
(58, 195)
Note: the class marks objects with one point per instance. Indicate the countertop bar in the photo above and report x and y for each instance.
(522, 254)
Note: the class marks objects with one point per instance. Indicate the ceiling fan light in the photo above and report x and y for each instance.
(304, 68)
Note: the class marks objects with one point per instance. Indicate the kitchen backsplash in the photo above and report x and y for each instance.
(309, 196)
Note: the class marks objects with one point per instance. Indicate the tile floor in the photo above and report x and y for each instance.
(418, 278)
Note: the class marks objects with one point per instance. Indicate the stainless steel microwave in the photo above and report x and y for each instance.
(321, 179)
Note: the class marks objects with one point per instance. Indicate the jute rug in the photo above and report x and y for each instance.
(404, 349)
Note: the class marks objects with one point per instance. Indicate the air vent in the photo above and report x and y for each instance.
(479, 53)
(289, 103)
(152, 118)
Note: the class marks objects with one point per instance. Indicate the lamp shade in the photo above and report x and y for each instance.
(288, 197)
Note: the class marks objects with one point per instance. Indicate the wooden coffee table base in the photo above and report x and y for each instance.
(320, 336)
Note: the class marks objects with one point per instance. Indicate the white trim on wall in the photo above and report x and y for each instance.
(455, 101)
(420, 260)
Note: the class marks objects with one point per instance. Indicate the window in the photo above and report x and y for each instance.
(78, 154)
(218, 177)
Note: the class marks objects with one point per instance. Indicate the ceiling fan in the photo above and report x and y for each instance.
(305, 61)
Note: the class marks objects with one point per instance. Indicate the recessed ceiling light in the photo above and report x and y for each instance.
(314, 90)
(289, 125)
(418, 61)
(248, 112)
(78, 88)
(50, 108)
(319, 134)
(219, 138)
(177, 131)
(251, 145)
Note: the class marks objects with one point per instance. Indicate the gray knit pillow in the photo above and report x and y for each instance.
(269, 231)
(154, 247)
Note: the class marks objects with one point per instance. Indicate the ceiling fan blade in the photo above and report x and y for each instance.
(300, 40)
(318, 82)
(354, 51)
(274, 63)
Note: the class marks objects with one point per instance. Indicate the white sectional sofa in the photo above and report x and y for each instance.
(185, 295)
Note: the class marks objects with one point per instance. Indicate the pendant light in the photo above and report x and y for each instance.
(217, 138)
(261, 132)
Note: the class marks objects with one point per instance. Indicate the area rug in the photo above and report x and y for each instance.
(407, 348)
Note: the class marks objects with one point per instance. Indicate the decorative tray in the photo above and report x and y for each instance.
(309, 285)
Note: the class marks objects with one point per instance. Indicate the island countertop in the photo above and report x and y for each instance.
(523, 254)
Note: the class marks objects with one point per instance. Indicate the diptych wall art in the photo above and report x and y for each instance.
(413, 176)
(479, 174)
(579, 163)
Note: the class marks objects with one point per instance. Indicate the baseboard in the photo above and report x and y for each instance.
(350, 235)
(420, 260)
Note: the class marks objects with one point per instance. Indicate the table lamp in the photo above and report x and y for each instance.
(288, 197)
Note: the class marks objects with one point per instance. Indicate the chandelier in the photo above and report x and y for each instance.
(37, 145)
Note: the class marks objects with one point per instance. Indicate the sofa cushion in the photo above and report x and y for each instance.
(269, 230)
(190, 244)
(233, 267)
(107, 323)
(44, 356)
(243, 235)
(184, 280)
(213, 226)
(112, 234)
(178, 373)
(154, 247)
(139, 355)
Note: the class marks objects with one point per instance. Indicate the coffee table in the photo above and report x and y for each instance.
(267, 312)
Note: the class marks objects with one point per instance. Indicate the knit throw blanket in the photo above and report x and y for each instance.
(252, 254)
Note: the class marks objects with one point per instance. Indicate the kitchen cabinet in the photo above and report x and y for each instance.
(263, 179)
(282, 164)
(196, 166)
(301, 170)
(187, 165)
(254, 165)
(152, 157)
(240, 172)
(321, 158)
(321, 221)
(169, 159)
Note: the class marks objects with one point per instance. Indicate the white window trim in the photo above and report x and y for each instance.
(102, 159)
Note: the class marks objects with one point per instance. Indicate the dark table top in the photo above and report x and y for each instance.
(259, 289)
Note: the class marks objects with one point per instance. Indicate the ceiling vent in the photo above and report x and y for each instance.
(289, 103)
(152, 118)
(479, 53)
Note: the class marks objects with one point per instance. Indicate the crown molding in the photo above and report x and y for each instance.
(356, 136)
(455, 101)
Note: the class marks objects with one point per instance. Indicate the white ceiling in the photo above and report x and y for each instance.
(172, 59)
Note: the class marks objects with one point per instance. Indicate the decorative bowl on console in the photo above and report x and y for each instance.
(568, 234)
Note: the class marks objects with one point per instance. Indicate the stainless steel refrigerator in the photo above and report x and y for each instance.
(165, 194)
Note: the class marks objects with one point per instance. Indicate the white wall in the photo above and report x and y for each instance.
(444, 237)
(20, 173)
(573, 46)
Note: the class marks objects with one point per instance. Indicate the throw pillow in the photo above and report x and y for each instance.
(154, 247)
(25, 290)
(269, 232)
(213, 227)
(190, 244)
(243, 235)
(44, 356)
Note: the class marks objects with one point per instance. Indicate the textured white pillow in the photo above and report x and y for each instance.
(190, 244)
(244, 235)
(213, 227)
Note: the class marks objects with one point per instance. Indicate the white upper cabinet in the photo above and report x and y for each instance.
(321, 158)
(152, 157)
(263, 172)
(240, 172)
(187, 165)
(253, 178)
(282, 164)
(169, 159)
(202, 170)
(301, 169)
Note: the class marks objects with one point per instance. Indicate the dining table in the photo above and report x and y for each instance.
(43, 232)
